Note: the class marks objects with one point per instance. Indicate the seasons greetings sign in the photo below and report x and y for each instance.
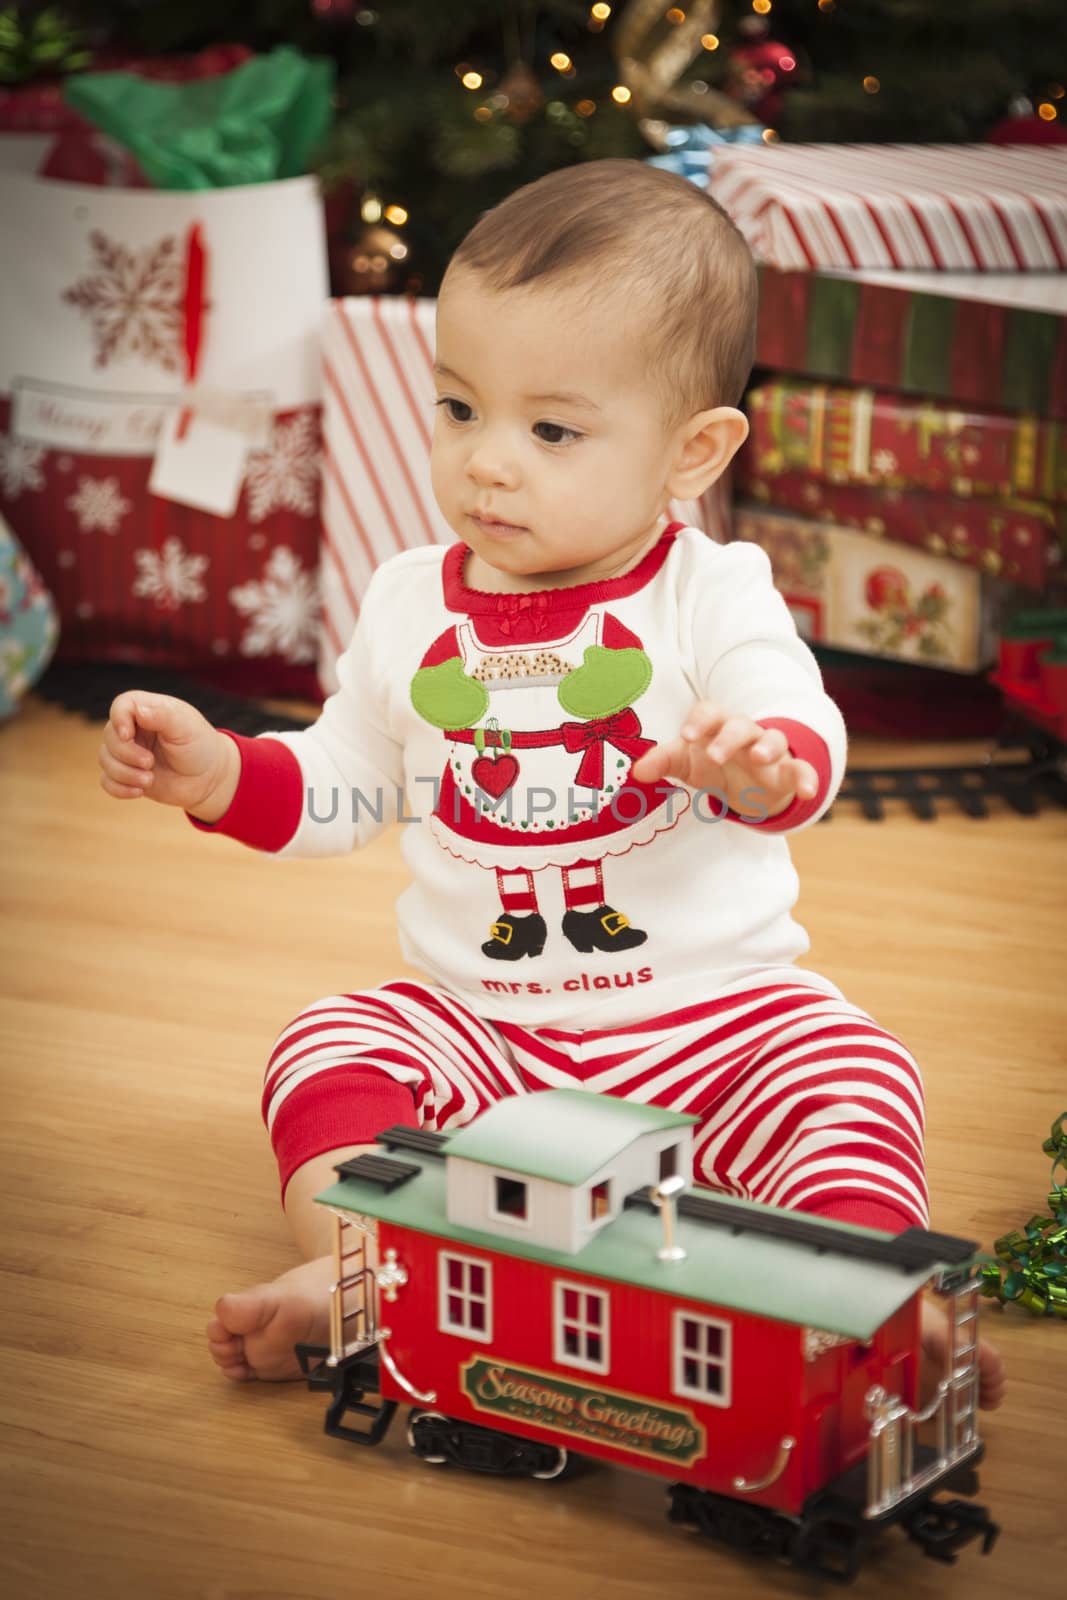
(626, 1422)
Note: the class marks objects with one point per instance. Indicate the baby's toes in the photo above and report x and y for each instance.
(227, 1350)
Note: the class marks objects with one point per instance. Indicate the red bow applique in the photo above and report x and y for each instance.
(529, 609)
(621, 730)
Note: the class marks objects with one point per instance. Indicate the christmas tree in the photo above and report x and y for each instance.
(442, 109)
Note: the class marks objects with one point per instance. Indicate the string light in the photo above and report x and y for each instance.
(1047, 111)
(585, 108)
(826, 5)
(472, 80)
(871, 85)
(676, 16)
(762, 6)
(396, 215)
(769, 136)
(371, 209)
(709, 41)
(1057, 91)
(483, 114)
(601, 12)
(620, 94)
(560, 61)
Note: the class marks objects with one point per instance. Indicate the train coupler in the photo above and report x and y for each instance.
(942, 1527)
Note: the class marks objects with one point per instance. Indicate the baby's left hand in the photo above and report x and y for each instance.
(730, 754)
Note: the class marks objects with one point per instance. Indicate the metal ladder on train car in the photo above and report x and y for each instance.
(346, 1282)
(960, 1428)
(891, 1474)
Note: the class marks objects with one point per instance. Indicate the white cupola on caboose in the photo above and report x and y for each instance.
(552, 1168)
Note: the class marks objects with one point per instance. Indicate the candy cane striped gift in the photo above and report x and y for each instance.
(377, 421)
(946, 207)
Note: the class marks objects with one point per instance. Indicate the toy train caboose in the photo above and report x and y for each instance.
(549, 1283)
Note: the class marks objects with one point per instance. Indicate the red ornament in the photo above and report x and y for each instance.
(760, 72)
(885, 587)
(1027, 130)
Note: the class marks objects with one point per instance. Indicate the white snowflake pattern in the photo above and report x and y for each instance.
(286, 473)
(99, 503)
(284, 607)
(133, 300)
(884, 461)
(170, 576)
(20, 467)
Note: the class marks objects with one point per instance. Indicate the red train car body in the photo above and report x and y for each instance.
(550, 1287)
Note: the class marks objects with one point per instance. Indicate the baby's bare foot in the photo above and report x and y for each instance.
(991, 1376)
(252, 1333)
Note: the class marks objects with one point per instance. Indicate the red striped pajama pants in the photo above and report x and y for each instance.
(803, 1100)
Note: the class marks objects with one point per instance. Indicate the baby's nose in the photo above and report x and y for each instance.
(489, 463)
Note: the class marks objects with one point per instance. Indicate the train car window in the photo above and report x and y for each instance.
(465, 1296)
(701, 1358)
(668, 1162)
(600, 1201)
(510, 1198)
(581, 1331)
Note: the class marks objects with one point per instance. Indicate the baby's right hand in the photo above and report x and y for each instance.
(163, 748)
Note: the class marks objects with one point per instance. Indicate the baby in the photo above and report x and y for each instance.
(603, 726)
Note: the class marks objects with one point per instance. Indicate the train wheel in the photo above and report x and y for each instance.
(558, 1470)
(422, 1425)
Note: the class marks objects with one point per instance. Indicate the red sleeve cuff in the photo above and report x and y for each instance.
(265, 810)
(342, 1106)
(805, 745)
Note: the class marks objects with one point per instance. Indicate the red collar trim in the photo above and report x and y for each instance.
(578, 596)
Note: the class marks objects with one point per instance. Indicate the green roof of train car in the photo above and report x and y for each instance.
(743, 1271)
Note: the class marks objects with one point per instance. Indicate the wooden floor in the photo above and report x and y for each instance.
(146, 971)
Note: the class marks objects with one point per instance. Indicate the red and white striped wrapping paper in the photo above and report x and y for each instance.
(377, 423)
(944, 207)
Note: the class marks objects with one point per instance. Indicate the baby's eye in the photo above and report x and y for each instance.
(448, 403)
(564, 435)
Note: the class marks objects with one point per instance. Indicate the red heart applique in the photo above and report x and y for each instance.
(495, 777)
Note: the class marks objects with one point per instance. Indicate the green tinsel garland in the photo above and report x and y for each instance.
(1034, 1270)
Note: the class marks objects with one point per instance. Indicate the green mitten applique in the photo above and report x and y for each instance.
(446, 697)
(606, 682)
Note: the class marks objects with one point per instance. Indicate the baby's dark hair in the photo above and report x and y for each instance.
(623, 224)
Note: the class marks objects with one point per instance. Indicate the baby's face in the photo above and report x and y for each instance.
(550, 454)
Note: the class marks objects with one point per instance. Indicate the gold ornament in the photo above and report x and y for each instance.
(651, 73)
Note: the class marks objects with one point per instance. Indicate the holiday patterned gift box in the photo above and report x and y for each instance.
(844, 435)
(116, 290)
(987, 208)
(993, 341)
(377, 419)
(1018, 540)
(856, 592)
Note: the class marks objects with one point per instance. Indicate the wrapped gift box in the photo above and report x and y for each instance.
(1018, 540)
(994, 341)
(860, 436)
(856, 592)
(946, 208)
(377, 423)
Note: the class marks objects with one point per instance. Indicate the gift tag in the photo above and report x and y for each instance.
(199, 463)
(204, 444)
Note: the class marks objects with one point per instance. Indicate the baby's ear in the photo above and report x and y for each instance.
(703, 449)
